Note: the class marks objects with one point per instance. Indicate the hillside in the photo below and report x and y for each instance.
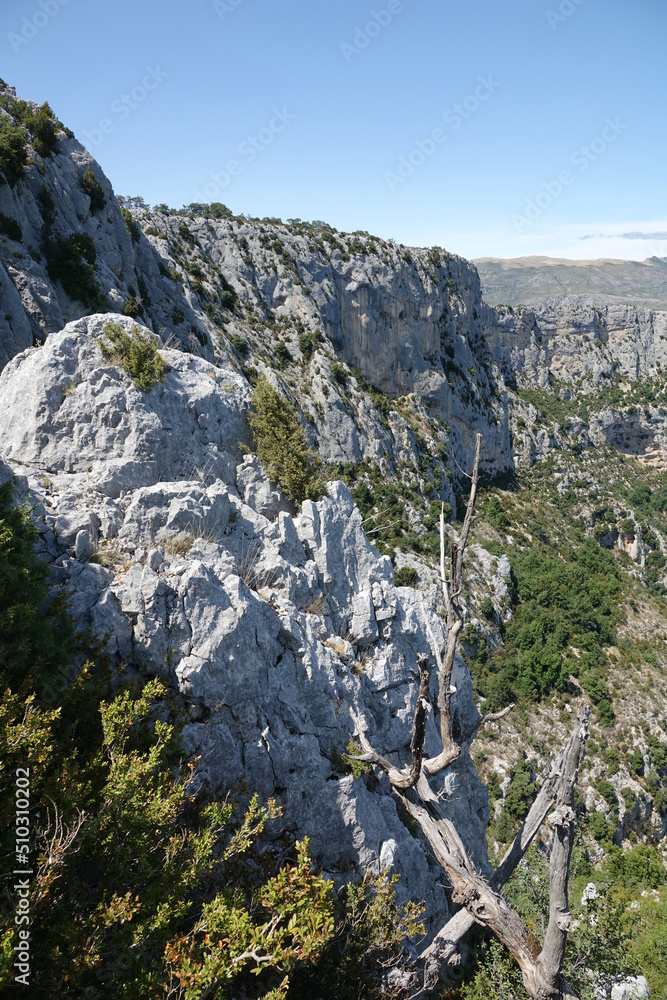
(530, 280)
(283, 620)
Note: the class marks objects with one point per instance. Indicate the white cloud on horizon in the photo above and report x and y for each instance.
(622, 240)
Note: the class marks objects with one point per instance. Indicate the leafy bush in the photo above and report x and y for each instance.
(369, 931)
(307, 344)
(47, 207)
(135, 352)
(639, 868)
(496, 515)
(608, 792)
(41, 123)
(143, 291)
(563, 602)
(521, 792)
(281, 446)
(339, 373)
(185, 233)
(133, 306)
(36, 637)
(70, 260)
(9, 227)
(487, 608)
(239, 344)
(131, 224)
(602, 829)
(138, 880)
(227, 296)
(406, 576)
(283, 353)
(503, 828)
(13, 151)
(93, 189)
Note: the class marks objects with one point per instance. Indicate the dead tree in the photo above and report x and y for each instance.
(480, 897)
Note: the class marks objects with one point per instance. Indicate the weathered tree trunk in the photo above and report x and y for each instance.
(481, 899)
(443, 950)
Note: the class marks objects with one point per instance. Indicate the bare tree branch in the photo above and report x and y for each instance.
(480, 897)
(444, 950)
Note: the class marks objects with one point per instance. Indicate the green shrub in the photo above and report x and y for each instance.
(339, 373)
(133, 306)
(283, 353)
(307, 344)
(9, 227)
(363, 497)
(185, 233)
(135, 352)
(406, 576)
(281, 446)
(158, 874)
(131, 224)
(470, 635)
(70, 260)
(564, 601)
(167, 272)
(41, 123)
(601, 828)
(639, 868)
(608, 792)
(227, 297)
(521, 792)
(487, 608)
(13, 151)
(503, 828)
(93, 189)
(219, 211)
(239, 344)
(370, 930)
(36, 636)
(496, 515)
(629, 798)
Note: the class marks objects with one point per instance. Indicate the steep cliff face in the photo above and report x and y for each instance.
(577, 341)
(64, 231)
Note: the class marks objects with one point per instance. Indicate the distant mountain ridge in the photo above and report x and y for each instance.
(528, 280)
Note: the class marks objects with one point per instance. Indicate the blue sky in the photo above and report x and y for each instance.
(490, 128)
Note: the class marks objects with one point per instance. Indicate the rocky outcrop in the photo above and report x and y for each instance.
(279, 630)
(569, 339)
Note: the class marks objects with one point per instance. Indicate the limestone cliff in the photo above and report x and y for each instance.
(279, 627)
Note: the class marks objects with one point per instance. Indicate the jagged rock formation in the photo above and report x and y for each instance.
(571, 340)
(276, 630)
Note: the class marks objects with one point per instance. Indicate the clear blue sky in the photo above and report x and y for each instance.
(359, 86)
